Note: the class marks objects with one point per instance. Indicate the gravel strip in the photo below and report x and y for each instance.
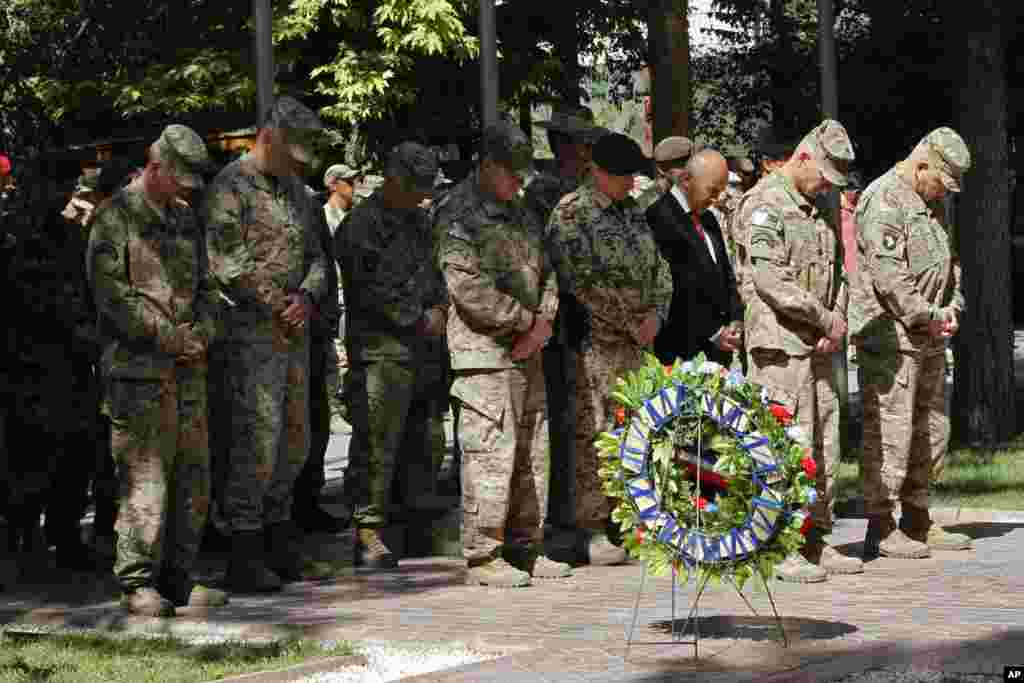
(390, 662)
(895, 675)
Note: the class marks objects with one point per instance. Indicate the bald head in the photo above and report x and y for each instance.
(706, 177)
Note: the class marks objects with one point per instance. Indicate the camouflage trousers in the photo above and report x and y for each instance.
(806, 386)
(158, 439)
(393, 405)
(596, 371)
(322, 379)
(503, 438)
(266, 391)
(906, 429)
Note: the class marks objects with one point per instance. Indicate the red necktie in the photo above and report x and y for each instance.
(696, 224)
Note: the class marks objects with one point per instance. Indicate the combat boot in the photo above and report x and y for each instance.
(600, 552)
(247, 570)
(532, 560)
(496, 572)
(883, 537)
(283, 556)
(147, 602)
(819, 552)
(177, 586)
(796, 569)
(916, 523)
(372, 552)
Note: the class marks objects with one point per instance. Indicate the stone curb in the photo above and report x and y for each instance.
(299, 671)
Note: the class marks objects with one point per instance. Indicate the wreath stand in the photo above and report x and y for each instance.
(693, 617)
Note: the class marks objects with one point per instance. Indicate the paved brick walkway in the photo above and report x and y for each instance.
(962, 611)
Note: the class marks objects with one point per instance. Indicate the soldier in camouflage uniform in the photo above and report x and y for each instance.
(796, 318)
(504, 292)
(157, 317)
(262, 231)
(397, 310)
(619, 289)
(571, 134)
(906, 303)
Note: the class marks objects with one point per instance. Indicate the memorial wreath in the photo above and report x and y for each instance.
(708, 472)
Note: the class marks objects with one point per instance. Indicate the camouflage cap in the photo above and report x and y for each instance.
(949, 153)
(415, 163)
(304, 128)
(675, 148)
(576, 122)
(343, 171)
(619, 155)
(507, 145)
(831, 148)
(185, 153)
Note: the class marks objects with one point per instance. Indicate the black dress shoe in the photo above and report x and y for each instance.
(317, 520)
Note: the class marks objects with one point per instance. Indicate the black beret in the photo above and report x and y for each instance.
(619, 155)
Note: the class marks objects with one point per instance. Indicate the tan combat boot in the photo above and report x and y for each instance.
(372, 552)
(497, 573)
(883, 537)
(532, 560)
(796, 569)
(818, 552)
(178, 587)
(601, 552)
(916, 523)
(147, 602)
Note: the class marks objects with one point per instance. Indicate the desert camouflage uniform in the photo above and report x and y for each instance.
(396, 377)
(792, 296)
(499, 277)
(608, 262)
(907, 273)
(149, 275)
(264, 245)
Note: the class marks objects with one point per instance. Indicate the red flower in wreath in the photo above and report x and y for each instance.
(806, 526)
(639, 535)
(620, 416)
(709, 477)
(810, 467)
(668, 369)
(701, 503)
(781, 413)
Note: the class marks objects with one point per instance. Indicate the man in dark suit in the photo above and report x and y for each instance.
(706, 308)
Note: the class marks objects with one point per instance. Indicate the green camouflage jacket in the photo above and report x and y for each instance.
(391, 278)
(263, 234)
(149, 275)
(609, 264)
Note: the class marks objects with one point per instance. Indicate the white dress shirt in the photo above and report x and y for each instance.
(681, 198)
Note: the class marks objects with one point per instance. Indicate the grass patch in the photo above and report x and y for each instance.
(972, 478)
(91, 658)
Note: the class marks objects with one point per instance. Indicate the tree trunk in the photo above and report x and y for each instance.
(668, 38)
(984, 410)
(567, 49)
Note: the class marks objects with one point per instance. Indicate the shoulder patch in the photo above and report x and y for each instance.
(766, 216)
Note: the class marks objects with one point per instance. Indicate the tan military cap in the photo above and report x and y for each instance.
(675, 148)
(185, 154)
(949, 153)
(832, 149)
(343, 171)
